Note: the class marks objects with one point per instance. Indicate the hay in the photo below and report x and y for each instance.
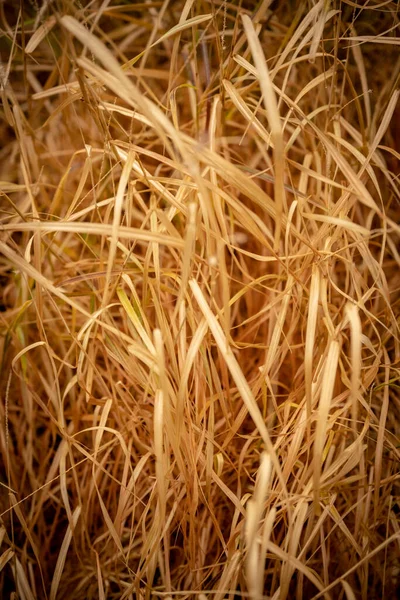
(200, 350)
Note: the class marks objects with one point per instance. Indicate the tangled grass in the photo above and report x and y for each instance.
(200, 279)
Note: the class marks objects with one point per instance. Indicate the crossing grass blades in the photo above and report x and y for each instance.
(200, 346)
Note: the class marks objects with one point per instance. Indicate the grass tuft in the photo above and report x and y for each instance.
(199, 263)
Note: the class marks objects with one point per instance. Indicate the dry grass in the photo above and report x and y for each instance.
(200, 280)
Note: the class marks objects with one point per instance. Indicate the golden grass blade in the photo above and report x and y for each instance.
(188, 251)
(237, 374)
(356, 361)
(183, 26)
(135, 320)
(293, 43)
(278, 329)
(191, 354)
(358, 57)
(227, 582)
(349, 592)
(266, 536)
(381, 435)
(271, 106)
(63, 452)
(114, 76)
(91, 42)
(336, 221)
(23, 587)
(375, 40)
(109, 523)
(252, 557)
(324, 405)
(359, 188)
(382, 546)
(154, 183)
(102, 595)
(310, 338)
(18, 511)
(246, 112)
(299, 566)
(5, 558)
(386, 119)
(101, 229)
(288, 568)
(40, 34)
(119, 199)
(101, 427)
(62, 556)
(159, 451)
(70, 87)
(254, 510)
(32, 272)
(25, 350)
(319, 25)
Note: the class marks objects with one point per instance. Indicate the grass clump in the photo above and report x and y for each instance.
(199, 262)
